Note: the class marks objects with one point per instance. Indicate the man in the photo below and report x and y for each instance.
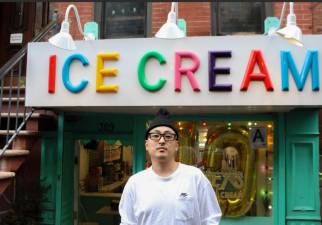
(168, 192)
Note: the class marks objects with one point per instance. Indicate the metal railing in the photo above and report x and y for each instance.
(14, 114)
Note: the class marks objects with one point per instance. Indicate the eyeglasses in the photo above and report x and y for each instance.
(166, 136)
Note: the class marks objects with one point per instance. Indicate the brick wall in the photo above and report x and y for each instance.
(198, 15)
(85, 10)
(308, 16)
(317, 17)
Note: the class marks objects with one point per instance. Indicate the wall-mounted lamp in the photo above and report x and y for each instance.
(291, 32)
(170, 30)
(63, 39)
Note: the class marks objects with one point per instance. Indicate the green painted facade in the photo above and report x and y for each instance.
(296, 198)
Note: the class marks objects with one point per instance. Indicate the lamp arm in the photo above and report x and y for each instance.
(282, 15)
(174, 8)
(291, 7)
(77, 17)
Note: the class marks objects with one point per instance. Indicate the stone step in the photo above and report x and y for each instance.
(5, 180)
(12, 159)
(14, 79)
(21, 107)
(21, 115)
(15, 152)
(13, 100)
(21, 133)
(6, 175)
(14, 89)
(12, 115)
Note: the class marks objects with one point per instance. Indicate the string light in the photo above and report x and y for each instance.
(263, 193)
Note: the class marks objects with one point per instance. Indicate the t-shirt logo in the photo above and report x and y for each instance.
(183, 195)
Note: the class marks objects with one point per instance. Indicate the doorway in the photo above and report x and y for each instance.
(103, 168)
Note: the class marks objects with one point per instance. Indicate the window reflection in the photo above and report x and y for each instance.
(125, 19)
(104, 168)
(237, 17)
(237, 158)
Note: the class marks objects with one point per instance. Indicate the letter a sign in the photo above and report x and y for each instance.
(258, 137)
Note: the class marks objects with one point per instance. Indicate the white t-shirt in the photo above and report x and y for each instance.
(186, 197)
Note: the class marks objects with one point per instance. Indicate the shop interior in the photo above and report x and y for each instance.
(236, 156)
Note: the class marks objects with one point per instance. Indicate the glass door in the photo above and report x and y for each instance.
(237, 158)
(104, 166)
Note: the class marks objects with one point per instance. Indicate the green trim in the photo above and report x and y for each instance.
(225, 117)
(302, 167)
(247, 221)
(60, 150)
(279, 172)
(48, 177)
(139, 144)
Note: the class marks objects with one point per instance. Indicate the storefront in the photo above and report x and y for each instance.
(246, 108)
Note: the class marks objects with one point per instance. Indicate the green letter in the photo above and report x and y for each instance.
(141, 71)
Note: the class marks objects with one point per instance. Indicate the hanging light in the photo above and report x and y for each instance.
(63, 39)
(170, 29)
(291, 32)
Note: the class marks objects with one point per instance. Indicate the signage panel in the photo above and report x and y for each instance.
(243, 71)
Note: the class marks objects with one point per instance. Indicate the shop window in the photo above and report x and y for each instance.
(104, 168)
(237, 158)
(238, 17)
(124, 19)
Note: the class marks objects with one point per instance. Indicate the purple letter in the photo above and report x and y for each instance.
(213, 71)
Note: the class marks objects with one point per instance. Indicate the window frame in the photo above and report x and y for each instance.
(267, 11)
(100, 15)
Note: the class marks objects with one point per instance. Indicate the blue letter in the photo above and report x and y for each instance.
(69, 86)
(311, 62)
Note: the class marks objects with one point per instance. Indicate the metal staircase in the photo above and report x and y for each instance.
(13, 119)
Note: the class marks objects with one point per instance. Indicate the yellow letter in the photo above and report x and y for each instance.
(102, 72)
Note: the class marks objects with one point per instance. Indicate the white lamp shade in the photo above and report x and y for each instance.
(292, 34)
(63, 39)
(170, 31)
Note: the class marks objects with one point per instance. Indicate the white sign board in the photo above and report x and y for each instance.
(130, 92)
(16, 38)
(258, 137)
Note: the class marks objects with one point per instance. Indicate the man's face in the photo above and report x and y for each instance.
(162, 148)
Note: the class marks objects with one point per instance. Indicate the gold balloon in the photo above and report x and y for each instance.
(230, 158)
